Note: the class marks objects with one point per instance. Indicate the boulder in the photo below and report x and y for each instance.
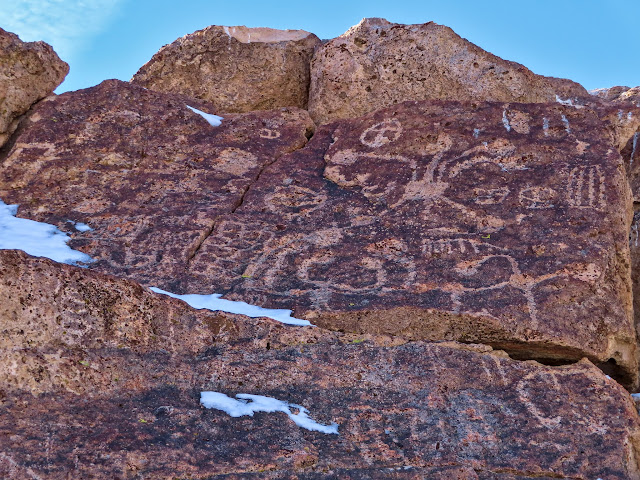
(237, 69)
(502, 224)
(28, 73)
(378, 63)
(102, 379)
(145, 172)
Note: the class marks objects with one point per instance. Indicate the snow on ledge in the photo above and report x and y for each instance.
(214, 120)
(214, 303)
(36, 238)
(250, 404)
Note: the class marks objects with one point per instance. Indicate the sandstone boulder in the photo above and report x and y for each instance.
(102, 379)
(378, 63)
(28, 73)
(237, 69)
(146, 173)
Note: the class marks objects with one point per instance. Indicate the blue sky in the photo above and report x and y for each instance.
(596, 43)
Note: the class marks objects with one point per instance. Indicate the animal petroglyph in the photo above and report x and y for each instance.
(428, 183)
(381, 133)
(586, 187)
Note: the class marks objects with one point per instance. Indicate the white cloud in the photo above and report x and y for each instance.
(64, 24)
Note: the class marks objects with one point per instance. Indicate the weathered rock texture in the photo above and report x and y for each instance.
(101, 379)
(377, 63)
(619, 94)
(28, 72)
(488, 223)
(146, 173)
(237, 69)
(499, 224)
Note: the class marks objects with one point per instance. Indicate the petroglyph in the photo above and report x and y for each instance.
(538, 197)
(586, 188)
(490, 196)
(236, 161)
(381, 133)
(462, 245)
(539, 411)
(269, 133)
(294, 199)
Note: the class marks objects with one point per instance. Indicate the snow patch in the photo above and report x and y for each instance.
(213, 120)
(80, 227)
(567, 102)
(505, 121)
(250, 404)
(565, 120)
(476, 132)
(633, 148)
(545, 126)
(214, 303)
(36, 238)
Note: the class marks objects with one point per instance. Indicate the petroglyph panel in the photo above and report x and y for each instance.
(430, 220)
(502, 236)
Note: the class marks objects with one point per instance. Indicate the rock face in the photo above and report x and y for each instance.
(102, 379)
(28, 72)
(499, 224)
(488, 223)
(377, 63)
(619, 94)
(149, 175)
(237, 69)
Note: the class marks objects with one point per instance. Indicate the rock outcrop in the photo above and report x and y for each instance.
(442, 249)
(488, 223)
(28, 73)
(237, 69)
(102, 379)
(377, 63)
(619, 94)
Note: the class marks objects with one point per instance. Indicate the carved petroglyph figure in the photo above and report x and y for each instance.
(462, 245)
(429, 185)
(538, 197)
(586, 188)
(269, 133)
(381, 133)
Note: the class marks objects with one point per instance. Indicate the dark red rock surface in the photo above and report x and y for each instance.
(489, 223)
(114, 393)
(140, 168)
(403, 222)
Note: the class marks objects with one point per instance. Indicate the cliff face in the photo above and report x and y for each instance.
(455, 227)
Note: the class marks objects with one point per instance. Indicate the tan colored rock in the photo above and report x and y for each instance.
(28, 73)
(237, 69)
(378, 63)
(619, 94)
(100, 378)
